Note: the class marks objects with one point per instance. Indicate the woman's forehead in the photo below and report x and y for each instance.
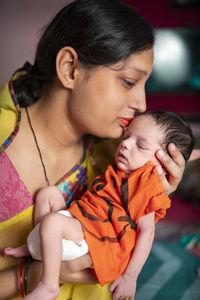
(140, 62)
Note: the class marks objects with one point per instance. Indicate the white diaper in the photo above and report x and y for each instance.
(70, 249)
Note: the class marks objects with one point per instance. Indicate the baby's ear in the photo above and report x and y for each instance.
(194, 155)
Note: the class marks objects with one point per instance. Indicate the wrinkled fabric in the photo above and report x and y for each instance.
(109, 214)
(13, 193)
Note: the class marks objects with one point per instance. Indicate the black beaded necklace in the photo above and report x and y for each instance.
(37, 145)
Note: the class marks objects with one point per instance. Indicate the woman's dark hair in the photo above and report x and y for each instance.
(176, 129)
(102, 32)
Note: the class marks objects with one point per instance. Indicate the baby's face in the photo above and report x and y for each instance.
(140, 142)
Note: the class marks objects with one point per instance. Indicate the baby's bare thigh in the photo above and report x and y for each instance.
(72, 229)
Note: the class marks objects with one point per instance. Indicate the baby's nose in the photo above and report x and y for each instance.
(125, 143)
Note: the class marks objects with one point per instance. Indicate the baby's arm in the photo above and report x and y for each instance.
(48, 200)
(125, 285)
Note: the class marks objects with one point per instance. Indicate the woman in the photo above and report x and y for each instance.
(88, 79)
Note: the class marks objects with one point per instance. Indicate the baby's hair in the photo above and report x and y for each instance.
(177, 130)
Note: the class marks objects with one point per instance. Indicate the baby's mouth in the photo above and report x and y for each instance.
(122, 157)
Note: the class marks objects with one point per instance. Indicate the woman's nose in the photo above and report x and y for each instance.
(138, 102)
(141, 104)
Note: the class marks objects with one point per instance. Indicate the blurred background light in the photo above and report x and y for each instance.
(172, 60)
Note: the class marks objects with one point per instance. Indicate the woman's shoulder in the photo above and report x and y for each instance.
(8, 114)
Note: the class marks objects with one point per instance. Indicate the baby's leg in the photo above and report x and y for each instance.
(17, 252)
(48, 199)
(53, 228)
(43, 292)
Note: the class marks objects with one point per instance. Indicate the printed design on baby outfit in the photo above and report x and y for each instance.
(109, 214)
(124, 195)
(97, 186)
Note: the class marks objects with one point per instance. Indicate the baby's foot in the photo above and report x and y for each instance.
(44, 292)
(16, 252)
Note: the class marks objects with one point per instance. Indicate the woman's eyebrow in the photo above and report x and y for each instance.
(126, 67)
(143, 72)
(135, 69)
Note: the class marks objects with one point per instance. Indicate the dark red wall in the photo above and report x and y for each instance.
(162, 13)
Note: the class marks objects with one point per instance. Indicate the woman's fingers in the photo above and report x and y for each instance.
(163, 179)
(175, 164)
(177, 157)
(173, 168)
(112, 286)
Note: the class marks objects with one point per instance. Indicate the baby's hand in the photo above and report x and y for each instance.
(123, 287)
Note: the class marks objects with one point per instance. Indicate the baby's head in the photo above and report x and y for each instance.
(149, 132)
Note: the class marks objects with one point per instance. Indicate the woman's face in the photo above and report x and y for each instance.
(102, 101)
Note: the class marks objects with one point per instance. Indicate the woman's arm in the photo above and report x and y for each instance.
(9, 278)
(125, 286)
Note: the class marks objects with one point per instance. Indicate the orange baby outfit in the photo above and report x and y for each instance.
(109, 214)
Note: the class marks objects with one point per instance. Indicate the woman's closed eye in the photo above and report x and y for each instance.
(128, 84)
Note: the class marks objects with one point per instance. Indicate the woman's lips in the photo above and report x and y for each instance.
(125, 121)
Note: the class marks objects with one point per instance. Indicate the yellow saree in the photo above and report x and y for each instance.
(15, 228)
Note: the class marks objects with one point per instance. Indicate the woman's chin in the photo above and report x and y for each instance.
(112, 134)
(116, 134)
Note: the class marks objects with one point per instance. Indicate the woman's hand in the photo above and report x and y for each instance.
(174, 166)
(78, 271)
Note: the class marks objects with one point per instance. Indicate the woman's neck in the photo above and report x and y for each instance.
(60, 145)
(51, 121)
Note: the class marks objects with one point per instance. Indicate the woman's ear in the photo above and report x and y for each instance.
(66, 66)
